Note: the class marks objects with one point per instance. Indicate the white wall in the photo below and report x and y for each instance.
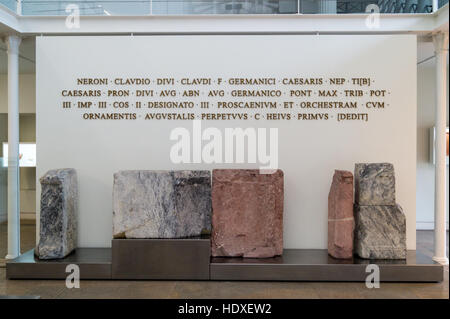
(426, 106)
(309, 151)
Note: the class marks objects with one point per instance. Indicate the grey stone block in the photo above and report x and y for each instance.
(374, 184)
(380, 232)
(161, 204)
(58, 214)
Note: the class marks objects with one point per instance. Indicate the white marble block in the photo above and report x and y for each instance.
(161, 204)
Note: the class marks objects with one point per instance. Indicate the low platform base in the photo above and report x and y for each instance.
(317, 265)
(294, 265)
(94, 263)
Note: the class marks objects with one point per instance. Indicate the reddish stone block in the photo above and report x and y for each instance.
(247, 217)
(341, 222)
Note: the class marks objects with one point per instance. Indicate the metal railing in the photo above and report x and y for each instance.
(192, 7)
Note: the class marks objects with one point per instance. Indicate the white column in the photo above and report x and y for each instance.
(435, 5)
(13, 43)
(19, 7)
(440, 41)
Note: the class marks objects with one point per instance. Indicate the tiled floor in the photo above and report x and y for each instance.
(211, 289)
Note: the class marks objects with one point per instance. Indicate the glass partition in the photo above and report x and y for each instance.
(203, 7)
(10, 4)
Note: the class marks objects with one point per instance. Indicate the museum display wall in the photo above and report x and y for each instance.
(85, 123)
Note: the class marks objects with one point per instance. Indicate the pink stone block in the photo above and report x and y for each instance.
(341, 223)
(247, 217)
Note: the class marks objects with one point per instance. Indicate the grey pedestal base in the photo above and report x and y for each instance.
(161, 259)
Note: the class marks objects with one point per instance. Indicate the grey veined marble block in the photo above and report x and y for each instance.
(58, 215)
(374, 184)
(380, 232)
(161, 204)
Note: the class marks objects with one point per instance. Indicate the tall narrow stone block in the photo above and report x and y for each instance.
(58, 215)
(374, 184)
(161, 204)
(340, 215)
(247, 213)
(380, 232)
